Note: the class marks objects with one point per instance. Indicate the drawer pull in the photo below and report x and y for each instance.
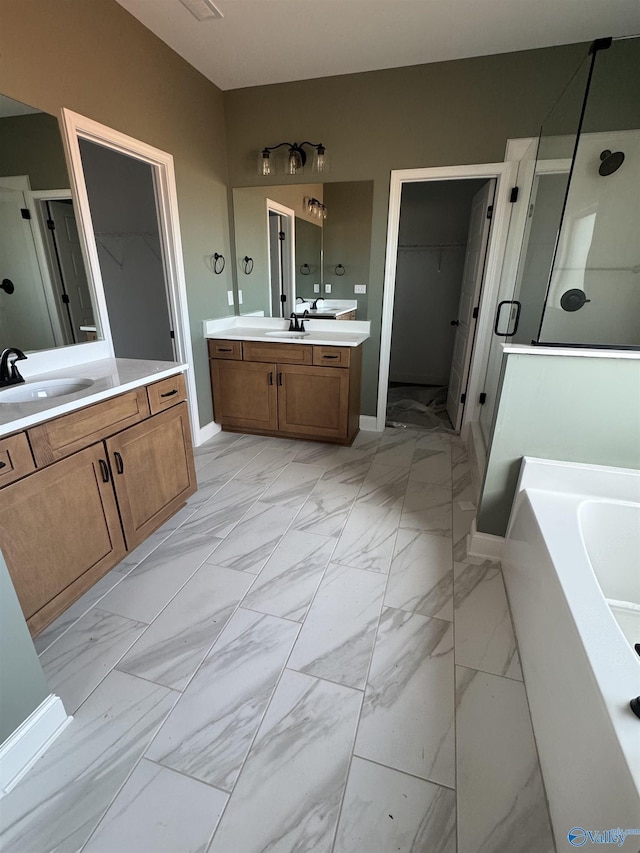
(279, 378)
(3, 464)
(331, 356)
(271, 377)
(119, 463)
(170, 393)
(105, 470)
(224, 349)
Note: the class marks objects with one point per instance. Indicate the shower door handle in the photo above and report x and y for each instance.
(510, 319)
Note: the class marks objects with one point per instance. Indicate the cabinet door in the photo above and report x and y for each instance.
(244, 394)
(153, 471)
(313, 400)
(60, 532)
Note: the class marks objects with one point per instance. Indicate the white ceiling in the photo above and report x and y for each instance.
(274, 41)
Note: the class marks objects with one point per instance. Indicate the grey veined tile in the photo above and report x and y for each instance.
(78, 662)
(223, 511)
(427, 506)
(252, 541)
(176, 643)
(267, 465)
(211, 728)
(501, 803)
(60, 801)
(421, 575)
(326, 509)
(293, 486)
(397, 447)
(385, 810)
(288, 794)
(287, 584)
(148, 589)
(384, 485)
(368, 537)
(484, 633)
(431, 466)
(77, 609)
(336, 641)
(345, 465)
(159, 811)
(407, 718)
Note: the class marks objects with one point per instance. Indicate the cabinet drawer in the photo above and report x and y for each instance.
(225, 349)
(166, 393)
(15, 458)
(350, 315)
(67, 434)
(279, 353)
(332, 356)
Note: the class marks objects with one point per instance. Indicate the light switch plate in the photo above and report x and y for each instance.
(327, 288)
(316, 288)
(230, 297)
(359, 288)
(240, 297)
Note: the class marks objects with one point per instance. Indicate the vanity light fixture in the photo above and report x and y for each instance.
(315, 208)
(296, 158)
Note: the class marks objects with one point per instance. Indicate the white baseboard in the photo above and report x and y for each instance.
(31, 739)
(206, 432)
(484, 544)
(369, 423)
(477, 457)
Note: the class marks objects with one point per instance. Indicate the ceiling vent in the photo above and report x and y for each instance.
(203, 10)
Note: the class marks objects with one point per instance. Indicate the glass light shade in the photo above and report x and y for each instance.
(320, 162)
(266, 165)
(294, 161)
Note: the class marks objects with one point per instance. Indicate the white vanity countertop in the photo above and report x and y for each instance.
(342, 333)
(110, 376)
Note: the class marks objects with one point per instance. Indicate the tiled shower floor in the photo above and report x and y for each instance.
(303, 659)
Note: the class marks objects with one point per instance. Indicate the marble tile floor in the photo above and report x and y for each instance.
(303, 659)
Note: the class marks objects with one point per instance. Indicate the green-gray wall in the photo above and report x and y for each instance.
(570, 408)
(95, 58)
(22, 684)
(31, 145)
(442, 114)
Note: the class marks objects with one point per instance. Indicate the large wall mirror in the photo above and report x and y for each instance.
(46, 300)
(284, 249)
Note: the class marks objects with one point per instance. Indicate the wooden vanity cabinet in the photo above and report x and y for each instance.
(293, 390)
(60, 533)
(89, 501)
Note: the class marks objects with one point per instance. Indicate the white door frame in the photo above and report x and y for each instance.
(289, 256)
(75, 127)
(505, 174)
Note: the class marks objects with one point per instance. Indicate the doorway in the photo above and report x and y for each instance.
(443, 237)
(281, 231)
(471, 337)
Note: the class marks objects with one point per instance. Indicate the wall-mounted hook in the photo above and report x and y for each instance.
(305, 269)
(247, 265)
(339, 270)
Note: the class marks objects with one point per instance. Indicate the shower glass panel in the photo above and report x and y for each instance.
(593, 297)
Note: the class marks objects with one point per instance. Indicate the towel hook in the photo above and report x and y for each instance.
(247, 265)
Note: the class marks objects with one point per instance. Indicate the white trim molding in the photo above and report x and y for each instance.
(505, 175)
(205, 433)
(31, 739)
(484, 544)
(369, 423)
(75, 127)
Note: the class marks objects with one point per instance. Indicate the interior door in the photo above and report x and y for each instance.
(474, 264)
(75, 288)
(19, 265)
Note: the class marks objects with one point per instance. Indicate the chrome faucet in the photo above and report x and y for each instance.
(9, 373)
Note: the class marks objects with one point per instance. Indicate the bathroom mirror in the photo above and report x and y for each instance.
(332, 251)
(46, 299)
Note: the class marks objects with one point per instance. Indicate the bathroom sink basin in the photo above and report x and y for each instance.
(43, 390)
(286, 334)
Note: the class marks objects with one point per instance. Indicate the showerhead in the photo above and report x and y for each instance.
(611, 162)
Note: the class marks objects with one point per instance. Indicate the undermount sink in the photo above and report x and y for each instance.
(44, 390)
(284, 334)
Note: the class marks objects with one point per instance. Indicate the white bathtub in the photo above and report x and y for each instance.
(572, 572)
